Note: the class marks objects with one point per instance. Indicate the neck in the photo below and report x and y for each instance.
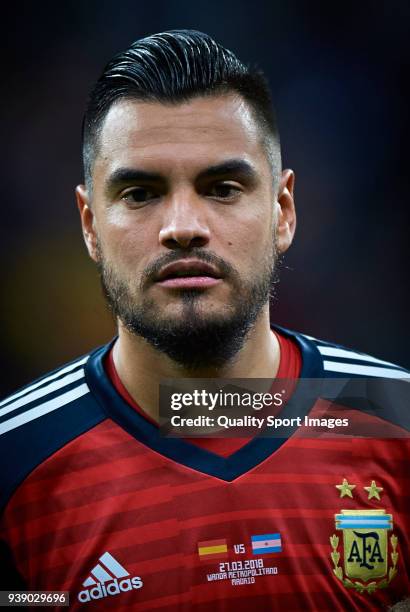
(141, 367)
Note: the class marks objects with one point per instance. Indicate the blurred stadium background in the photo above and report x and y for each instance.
(340, 79)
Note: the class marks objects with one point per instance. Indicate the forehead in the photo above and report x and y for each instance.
(202, 131)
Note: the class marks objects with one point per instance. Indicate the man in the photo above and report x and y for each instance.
(186, 211)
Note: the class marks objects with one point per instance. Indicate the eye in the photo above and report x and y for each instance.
(139, 195)
(224, 191)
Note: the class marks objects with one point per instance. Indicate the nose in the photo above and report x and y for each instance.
(184, 223)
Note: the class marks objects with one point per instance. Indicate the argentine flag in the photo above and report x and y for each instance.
(266, 543)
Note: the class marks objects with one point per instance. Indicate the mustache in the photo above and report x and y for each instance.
(152, 270)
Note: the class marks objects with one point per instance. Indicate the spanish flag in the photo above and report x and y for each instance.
(213, 549)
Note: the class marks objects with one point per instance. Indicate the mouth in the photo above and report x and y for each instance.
(188, 274)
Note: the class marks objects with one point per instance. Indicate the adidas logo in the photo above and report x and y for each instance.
(107, 578)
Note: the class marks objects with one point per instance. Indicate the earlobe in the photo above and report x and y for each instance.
(87, 221)
(286, 221)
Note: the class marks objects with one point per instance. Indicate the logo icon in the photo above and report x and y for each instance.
(108, 578)
(366, 556)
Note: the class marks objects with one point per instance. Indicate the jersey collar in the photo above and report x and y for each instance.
(185, 453)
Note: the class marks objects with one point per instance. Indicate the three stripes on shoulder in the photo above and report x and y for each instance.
(349, 362)
(52, 389)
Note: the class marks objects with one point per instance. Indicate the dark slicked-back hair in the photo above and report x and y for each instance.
(174, 67)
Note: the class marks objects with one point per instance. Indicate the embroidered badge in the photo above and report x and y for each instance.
(369, 555)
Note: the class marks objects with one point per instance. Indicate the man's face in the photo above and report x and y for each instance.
(182, 223)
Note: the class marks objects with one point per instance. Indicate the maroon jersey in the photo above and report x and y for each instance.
(96, 502)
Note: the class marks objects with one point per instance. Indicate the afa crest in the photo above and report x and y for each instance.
(369, 555)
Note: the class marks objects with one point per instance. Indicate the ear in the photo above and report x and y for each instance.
(87, 221)
(286, 215)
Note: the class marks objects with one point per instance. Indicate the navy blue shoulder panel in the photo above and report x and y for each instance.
(368, 384)
(386, 399)
(38, 420)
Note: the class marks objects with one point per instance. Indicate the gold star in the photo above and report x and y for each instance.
(373, 490)
(345, 488)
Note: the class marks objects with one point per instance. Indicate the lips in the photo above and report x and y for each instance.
(187, 267)
(188, 274)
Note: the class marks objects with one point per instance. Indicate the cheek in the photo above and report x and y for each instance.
(250, 241)
(126, 247)
(132, 234)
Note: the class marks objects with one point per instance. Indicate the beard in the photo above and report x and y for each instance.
(194, 339)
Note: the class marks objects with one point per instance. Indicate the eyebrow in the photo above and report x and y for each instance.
(237, 167)
(122, 176)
